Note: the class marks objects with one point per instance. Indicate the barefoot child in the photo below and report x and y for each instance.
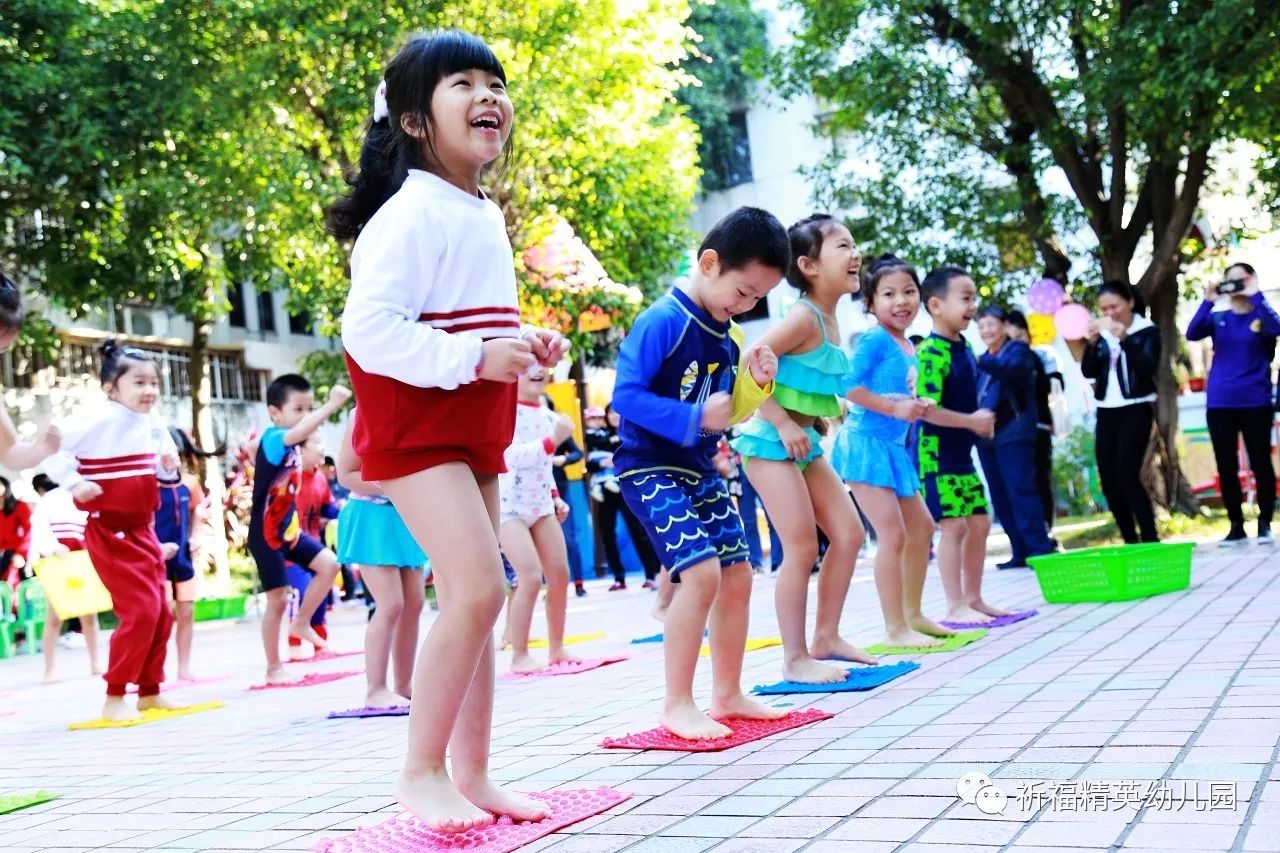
(434, 347)
(683, 379)
(870, 453)
(530, 534)
(57, 527)
(111, 462)
(948, 376)
(176, 520)
(275, 533)
(783, 457)
(373, 539)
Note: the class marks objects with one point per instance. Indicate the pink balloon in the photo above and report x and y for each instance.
(1072, 321)
(1045, 296)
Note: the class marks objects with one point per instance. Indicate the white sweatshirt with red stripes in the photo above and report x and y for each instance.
(120, 450)
(55, 519)
(432, 278)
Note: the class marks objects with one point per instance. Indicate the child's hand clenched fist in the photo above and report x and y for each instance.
(763, 363)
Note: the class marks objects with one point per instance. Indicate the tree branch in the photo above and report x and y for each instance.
(1167, 252)
(1027, 99)
(1017, 159)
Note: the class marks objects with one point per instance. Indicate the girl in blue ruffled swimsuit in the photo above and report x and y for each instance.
(870, 453)
(783, 458)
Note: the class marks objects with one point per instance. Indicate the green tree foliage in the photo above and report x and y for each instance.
(728, 58)
(1022, 137)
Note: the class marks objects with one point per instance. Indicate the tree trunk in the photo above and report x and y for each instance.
(202, 430)
(1167, 469)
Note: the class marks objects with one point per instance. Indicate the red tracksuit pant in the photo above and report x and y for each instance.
(129, 561)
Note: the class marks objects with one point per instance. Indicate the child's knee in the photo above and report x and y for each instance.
(325, 565)
(892, 536)
(185, 610)
(804, 552)
(277, 600)
(701, 580)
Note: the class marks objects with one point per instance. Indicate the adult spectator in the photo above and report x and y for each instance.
(1015, 324)
(1122, 355)
(1239, 400)
(1006, 386)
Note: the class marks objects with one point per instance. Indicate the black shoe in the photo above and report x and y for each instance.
(580, 590)
(1015, 563)
(1236, 537)
(1264, 534)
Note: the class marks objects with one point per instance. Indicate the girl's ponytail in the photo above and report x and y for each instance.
(376, 182)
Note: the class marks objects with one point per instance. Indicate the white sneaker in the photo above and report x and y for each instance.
(613, 486)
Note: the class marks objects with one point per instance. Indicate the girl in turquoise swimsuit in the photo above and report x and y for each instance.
(783, 458)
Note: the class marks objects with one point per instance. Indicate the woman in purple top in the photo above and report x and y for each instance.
(1240, 391)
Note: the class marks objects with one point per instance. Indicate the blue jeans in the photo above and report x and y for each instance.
(747, 509)
(571, 543)
(1010, 470)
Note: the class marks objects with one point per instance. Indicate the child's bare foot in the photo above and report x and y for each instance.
(404, 691)
(278, 675)
(383, 698)
(499, 801)
(982, 607)
(965, 613)
(95, 669)
(187, 675)
(688, 722)
(433, 799)
(908, 639)
(117, 710)
(925, 625)
(50, 677)
(158, 703)
(838, 648)
(562, 657)
(525, 663)
(304, 631)
(741, 708)
(659, 612)
(806, 670)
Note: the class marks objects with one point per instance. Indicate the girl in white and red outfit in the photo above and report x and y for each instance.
(434, 347)
(57, 527)
(530, 530)
(112, 463)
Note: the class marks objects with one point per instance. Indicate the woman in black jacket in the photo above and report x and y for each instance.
(1122, 356)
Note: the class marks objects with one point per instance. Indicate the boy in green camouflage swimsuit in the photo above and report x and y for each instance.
(948, 375)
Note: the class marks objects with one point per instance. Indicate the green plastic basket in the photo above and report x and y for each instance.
(233, 607)
(1114, 573)
(208, 609)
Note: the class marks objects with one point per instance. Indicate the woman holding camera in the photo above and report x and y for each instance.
(1122, 356)
(1240, 391)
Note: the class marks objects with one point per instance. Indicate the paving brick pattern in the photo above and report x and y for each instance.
(1169, 693)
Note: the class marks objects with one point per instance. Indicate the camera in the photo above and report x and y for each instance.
(1231, 285)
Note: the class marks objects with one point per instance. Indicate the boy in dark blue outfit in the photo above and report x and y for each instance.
(683, 379)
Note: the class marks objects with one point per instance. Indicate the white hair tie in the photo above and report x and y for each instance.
(380, 110)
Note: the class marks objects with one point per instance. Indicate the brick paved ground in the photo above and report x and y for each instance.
(1178, 687)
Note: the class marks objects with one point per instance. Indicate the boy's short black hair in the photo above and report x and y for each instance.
(749, 234)
(1017, 318)
(938, 283)
(329, 463)
(282, 386)
(993, 311)
(42, 482)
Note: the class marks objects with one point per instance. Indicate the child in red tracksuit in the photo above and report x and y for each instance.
(112, 463)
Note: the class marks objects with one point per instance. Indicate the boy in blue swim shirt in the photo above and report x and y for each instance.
(683, 379)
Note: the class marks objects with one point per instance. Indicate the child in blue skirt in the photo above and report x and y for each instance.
(373, 540)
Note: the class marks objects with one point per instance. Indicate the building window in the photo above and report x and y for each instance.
(266, 311)
(235, 296)
(300, 324)
(733, 161)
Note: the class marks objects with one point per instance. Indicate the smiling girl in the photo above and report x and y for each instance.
(434, 347)
(871, 453)
(112, 463)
